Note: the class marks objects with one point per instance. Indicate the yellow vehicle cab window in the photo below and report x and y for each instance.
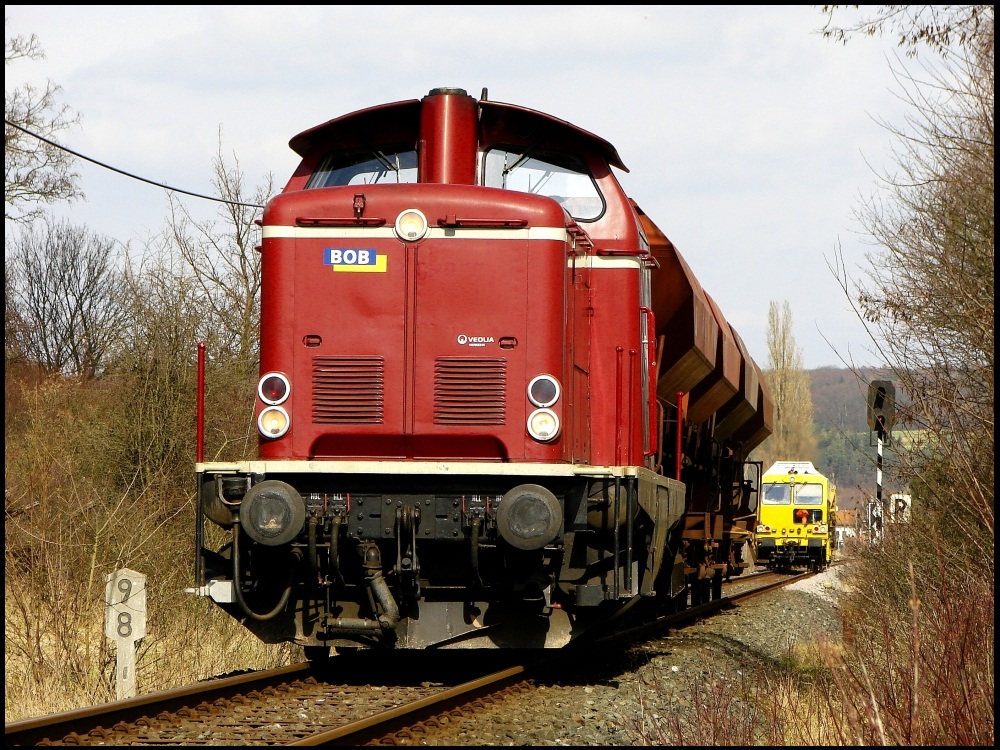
(808, 494)
(777, 494)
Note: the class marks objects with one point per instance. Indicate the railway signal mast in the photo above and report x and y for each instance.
(881, 415)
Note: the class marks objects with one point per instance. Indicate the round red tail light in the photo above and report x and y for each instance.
(273, 388)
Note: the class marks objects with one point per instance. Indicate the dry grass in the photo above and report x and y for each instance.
(75, 511)
(914, 672)
(57, 658)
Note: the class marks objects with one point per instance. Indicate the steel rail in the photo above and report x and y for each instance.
(82, 721)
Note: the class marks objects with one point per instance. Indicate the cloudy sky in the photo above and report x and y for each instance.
(749, 138)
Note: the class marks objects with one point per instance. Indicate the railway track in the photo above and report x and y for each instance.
(337, 704)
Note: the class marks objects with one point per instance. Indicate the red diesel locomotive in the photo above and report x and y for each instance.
(496, 409)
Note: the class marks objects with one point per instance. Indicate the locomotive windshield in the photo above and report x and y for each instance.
(776, 494)
(366, 167)
(562, 177)
(780, 493)
(809, 494)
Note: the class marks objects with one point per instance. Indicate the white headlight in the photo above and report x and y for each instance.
(273, 422)
(411, 225)
(543, 425)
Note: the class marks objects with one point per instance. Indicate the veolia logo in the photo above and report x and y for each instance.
(464, 340)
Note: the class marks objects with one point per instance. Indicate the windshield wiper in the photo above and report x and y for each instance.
(384, 161)
(507, 170)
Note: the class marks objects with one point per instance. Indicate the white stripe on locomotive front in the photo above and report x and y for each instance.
(434, 233)
(530, 233)
(437, 468)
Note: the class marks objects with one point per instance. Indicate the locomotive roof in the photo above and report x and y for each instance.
(401, 116)
(792, 467)
(400, 121)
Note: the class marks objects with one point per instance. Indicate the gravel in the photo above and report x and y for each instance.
(639, 697)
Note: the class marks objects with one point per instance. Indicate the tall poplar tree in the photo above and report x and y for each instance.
(793, 438)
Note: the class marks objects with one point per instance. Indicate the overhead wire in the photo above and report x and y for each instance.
(127, 174)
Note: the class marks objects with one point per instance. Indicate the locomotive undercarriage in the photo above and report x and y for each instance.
(380, 567)
(783, 555)
(717, 532)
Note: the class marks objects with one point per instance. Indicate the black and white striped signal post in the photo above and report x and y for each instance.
(881, 412)
(879, 434)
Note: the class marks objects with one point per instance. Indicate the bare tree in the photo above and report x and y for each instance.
(936, 26)
(929, 295)
(35, 172)
(224, 261)
(68, 299)
(793, 438)
(927, 298)
(200, 281)
(153, 375)
(13, 325)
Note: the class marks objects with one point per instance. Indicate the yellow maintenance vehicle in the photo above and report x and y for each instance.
(796, 522)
